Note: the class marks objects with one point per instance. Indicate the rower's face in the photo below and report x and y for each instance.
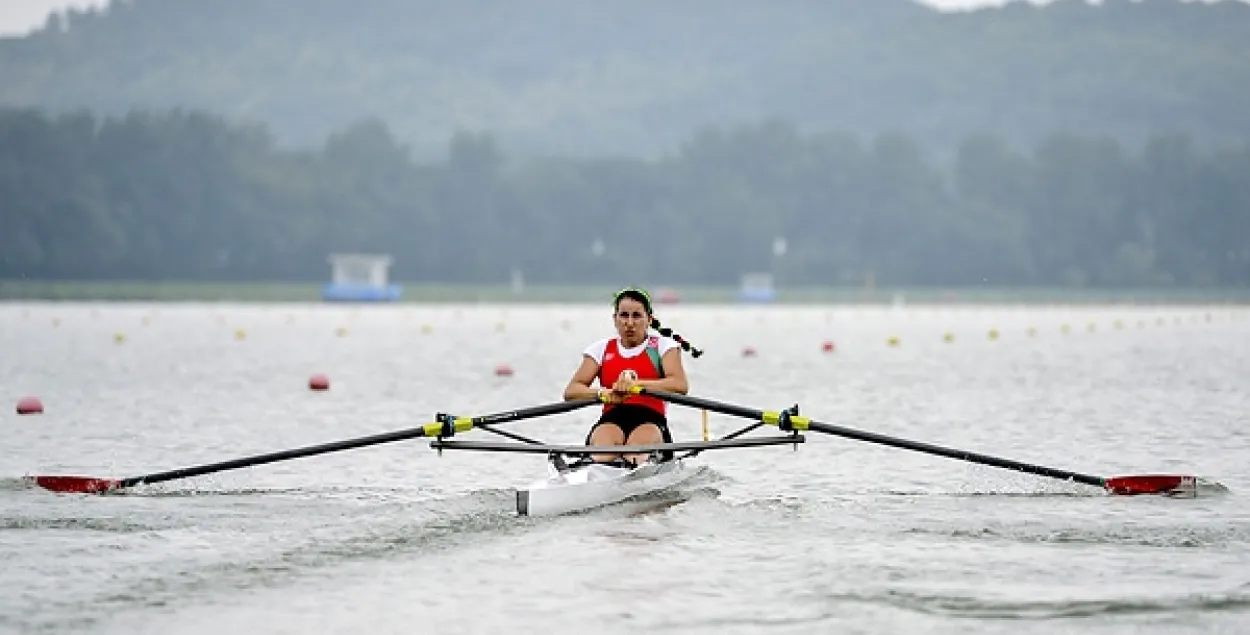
(631, 320)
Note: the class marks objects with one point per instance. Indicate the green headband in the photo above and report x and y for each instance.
(646, 297)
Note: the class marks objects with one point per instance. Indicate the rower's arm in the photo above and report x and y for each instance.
(674, 374)
(579, 387)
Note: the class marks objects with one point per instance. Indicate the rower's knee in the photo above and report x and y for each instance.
(645, 434)
(606, 434)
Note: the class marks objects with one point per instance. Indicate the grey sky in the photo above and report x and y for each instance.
(18, 17)
(21, 16)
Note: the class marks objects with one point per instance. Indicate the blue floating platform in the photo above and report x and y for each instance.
(361, 293)
(757, 295)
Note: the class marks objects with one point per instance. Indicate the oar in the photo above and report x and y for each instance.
(787, 420)
(445, 427)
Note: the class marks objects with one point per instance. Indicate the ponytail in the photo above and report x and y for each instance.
(667, 332)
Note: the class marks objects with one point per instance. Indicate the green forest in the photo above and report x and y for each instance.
(638, 78)
(183, 195)
(1068, 145)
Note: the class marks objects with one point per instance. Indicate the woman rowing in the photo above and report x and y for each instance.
(635, 357)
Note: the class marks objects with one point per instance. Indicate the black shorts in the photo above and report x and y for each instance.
(628, 417)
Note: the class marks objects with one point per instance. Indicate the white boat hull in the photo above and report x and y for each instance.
(591, 486)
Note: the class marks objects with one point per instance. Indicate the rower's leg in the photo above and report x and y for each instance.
(645, 434)
(605, 434)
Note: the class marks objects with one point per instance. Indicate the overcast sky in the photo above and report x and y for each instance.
(18, 17)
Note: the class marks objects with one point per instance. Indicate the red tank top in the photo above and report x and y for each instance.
(614, 364)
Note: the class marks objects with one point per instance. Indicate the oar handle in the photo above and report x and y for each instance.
(803, 423)
(447, 424)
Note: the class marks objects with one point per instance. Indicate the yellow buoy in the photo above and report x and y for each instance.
(993, 334)
(340, 331)
(119, 337)
(1032, 331)
(892, 341)
(1064, 329)
(426, 328)
(948, 337)
(240, 334)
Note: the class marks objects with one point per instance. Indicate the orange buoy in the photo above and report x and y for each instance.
(29, 406)
(319, 382)
(503, 370)
(827, 346)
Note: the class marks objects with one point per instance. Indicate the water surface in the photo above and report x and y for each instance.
(837, 536)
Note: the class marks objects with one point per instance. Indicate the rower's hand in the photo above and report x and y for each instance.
(625, 383)
(611, 396)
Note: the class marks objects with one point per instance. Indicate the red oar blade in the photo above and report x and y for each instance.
(1169, 484)
(76, 484)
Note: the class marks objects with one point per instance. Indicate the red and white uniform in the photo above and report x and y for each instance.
(613, 359)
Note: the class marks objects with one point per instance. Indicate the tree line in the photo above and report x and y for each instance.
(187, 195)
(571, 77)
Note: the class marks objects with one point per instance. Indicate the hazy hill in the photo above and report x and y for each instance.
(640, 76)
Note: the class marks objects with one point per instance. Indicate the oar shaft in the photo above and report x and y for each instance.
(872, 437)
(348, 444)
(273, 457)
(706, 404)
(961, 455)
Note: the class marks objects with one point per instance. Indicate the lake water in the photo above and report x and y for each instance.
(838, 536)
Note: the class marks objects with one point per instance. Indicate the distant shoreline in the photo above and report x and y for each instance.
(84, 291)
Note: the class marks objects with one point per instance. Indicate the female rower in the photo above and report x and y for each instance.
(634, 357)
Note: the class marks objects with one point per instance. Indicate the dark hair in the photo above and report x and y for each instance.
(634, 293)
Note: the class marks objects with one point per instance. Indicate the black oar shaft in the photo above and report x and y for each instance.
(348, 444)
(707, 404)
(273, 457)
(961, 455)
(872, 437)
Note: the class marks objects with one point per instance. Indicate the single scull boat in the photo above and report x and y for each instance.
(582, 485)
(586, 484)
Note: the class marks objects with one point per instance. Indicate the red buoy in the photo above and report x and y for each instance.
(319, 382)
(827, 346)
(748, 351)
(668, 296)
(29, 406)
(503, 370)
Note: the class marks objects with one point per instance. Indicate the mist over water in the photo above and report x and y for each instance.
(838, 535)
